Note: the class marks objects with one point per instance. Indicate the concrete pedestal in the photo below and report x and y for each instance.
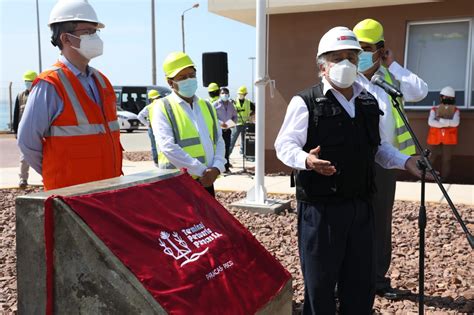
(88, 278)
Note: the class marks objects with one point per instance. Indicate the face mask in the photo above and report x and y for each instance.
(448, 101)
(90, 47)
(241, 97)
(365, 61)
(225, 97)
(343, 74)
(28, 85)
(187, 87)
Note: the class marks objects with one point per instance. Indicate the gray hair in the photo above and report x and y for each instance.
(322, 61)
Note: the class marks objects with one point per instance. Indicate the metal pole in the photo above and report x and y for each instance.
(11, 104)
(39, 38)
(153, 46)
(182, 30)
(257, 194)
(252, 82)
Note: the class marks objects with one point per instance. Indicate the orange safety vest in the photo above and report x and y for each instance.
(83, 142)
(437, 136)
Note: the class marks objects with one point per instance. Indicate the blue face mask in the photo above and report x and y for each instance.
(188, 87)
(225, 97)
(365, 61)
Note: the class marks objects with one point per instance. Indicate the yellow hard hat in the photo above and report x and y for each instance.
(242, 90)
(152, 94)
(175, 62)
(29, 75)
(212, 87)
(369, 31)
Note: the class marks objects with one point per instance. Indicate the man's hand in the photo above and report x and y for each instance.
(322, 167)
(410, 166)
(387, 58)
(209, 176)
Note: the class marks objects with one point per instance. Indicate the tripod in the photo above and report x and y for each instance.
(244, 151)
(424, 165)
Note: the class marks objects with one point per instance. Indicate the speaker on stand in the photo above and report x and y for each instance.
(214, 68)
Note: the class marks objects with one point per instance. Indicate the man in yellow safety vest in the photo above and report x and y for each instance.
(376, 59)
(186, 129)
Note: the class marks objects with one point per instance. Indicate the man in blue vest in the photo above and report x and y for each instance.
(186, 127)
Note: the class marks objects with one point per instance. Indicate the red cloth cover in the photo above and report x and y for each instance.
(185, 248)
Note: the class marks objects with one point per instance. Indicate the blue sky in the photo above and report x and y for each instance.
(127, 40)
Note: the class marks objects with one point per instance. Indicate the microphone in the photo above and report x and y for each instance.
(387, 87)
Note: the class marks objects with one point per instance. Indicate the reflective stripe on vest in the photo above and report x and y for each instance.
(403, 138)
(243, 111)
(187, 138)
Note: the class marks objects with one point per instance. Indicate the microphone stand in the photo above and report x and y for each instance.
(424, 165)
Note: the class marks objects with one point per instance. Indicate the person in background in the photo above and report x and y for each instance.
(245, 109)
(20, 103)
(443, 134)
(377, 60)
(185, 126)
(226, 112)
(213, 91)
(69, 132)
(330, 135)
(144, 117)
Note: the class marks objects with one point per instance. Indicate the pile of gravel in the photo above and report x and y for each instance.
(449, 271)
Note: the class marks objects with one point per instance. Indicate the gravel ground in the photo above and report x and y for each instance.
(449, 274)
(137, 156)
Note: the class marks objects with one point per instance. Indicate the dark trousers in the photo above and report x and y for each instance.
(154, 153)
(335, 243)
(226, 134)
(385, 181)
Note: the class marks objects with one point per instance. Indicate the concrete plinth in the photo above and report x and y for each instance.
(271, 206)
(88, 277)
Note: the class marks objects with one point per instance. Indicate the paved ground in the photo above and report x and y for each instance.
(138, 141)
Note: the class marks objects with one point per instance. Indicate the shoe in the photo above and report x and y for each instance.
(23, 184)
(392, 293)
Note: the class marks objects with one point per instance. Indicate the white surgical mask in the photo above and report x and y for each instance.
(187, 87)
(28, 85)
(91, 45)
(225, 97)
(343, 73)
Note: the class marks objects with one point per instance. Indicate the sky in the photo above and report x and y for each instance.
(127, 40)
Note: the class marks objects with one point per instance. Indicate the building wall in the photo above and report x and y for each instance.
(292, 63)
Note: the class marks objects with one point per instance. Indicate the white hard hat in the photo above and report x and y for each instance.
(447, 91)
(73, 11)
(338, 38)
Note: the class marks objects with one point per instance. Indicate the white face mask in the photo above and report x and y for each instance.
(91, 45)
(343, 73)
(28, 85)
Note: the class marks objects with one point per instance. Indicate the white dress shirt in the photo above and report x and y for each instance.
(165, 141)
(443, 122)
(412, 87)
(293, 133)
(143, 115)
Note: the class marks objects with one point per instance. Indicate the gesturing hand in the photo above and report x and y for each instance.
(209, 176)
(322, 167)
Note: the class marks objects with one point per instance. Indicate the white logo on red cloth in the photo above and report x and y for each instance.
(175, 246)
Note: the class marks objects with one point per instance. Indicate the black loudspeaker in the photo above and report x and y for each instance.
(214, 68)
(249, 140)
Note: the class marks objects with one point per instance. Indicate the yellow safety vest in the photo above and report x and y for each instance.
(185, 133)
(243, 111)
(404, 141)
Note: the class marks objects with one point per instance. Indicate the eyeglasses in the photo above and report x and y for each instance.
(184, 77)
(87, 31)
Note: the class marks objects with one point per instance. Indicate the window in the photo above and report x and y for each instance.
(440, 52)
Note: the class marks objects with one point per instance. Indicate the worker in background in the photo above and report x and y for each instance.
(377, 59)
(20, 103)
(227, 116)
(213, 91)
(186, 128)
(144, 117)
(69, 131)
(245, 109)
(330, 135)
(443, 134)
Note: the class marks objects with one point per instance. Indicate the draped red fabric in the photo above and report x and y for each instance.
(185, 248)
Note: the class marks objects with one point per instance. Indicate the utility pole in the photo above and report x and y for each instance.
(196, 5)
(253, 83)
(39, 38)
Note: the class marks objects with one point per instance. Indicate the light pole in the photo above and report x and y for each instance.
(182, 21)
(39, 40)
(252, 59)
(153, 48)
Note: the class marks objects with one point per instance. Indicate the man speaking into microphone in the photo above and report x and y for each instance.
(385, 79)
